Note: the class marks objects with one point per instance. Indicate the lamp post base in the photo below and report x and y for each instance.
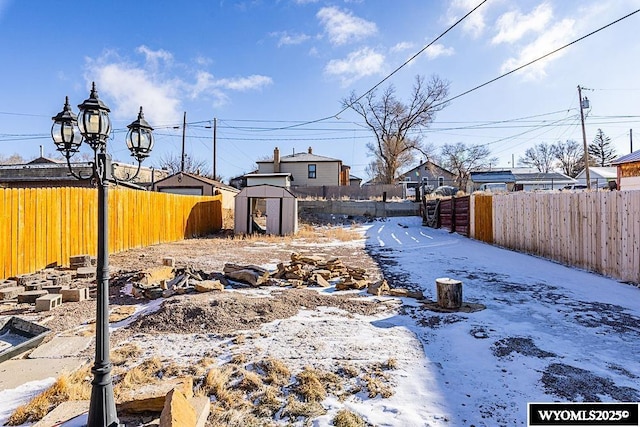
(102, 408)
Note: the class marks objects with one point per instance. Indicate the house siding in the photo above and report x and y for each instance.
(327, 173)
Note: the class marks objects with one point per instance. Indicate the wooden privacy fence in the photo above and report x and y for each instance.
(452, 213)
(598, 231)
(45, 226)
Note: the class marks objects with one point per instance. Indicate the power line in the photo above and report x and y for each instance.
(536, 60)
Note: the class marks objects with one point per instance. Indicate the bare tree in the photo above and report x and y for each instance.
(570, 156)
(173, 164)
(601, 150)
(461, 159)
(541, 157)
(14, 159)
(396, 126)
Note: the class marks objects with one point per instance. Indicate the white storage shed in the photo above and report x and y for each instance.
(266, 209)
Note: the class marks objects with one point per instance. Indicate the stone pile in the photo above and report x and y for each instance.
(302, 271)
(49, 288)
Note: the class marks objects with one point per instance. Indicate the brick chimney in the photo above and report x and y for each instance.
(276, 160)
(310, 150)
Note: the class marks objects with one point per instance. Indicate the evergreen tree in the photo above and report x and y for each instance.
(601, 149)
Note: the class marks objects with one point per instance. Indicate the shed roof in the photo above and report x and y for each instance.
(302, 157)
(542, 177)
(202, 179)
(492, 176)
(265, 191)
(631, 157)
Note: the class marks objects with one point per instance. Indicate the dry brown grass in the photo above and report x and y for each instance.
(233, 418)
(120, 313)
(377, 385)
(75, 386)
(125, 353)
(349, 371)
(239, 339)
(217, 383)
(294, 409)
(239, 359)
(144, 373)
(275, 371)
(307, 232)
(268, 401)
(309, 386)
(346, 418)
(250, 381)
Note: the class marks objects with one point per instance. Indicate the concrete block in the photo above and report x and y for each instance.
(11, 292)
(30, 297)
(48, 302)
(53, 289)
(78, 261)
(86, 272)
(36, 284)
(59, 279)
(59, 347)
(74, 295)
(8, 284)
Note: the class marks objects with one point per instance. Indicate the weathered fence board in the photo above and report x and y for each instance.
(44, 226)
(598, 231)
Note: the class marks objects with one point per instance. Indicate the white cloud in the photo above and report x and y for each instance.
(156, 87)
(402, 46)
(358, 64)
(305, 1)
(436, 50)
(244, 83)
(557, 36)
(512, 26)
(287, 39)
(343, 27)
(474, 24)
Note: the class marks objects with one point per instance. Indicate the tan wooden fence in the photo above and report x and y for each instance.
(597, 231)
(45, 226)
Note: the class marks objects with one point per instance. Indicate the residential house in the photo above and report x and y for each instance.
(307, 169)
(427, 174)
(599, 176)
(45, 172)
(628, 171)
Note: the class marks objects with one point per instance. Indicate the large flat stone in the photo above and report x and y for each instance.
(75, 412)
(30, 297)
(60, 347)
(16, 372)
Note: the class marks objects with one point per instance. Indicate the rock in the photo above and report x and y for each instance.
(378, 288)
(319, 280)
(248, 276)
(177, 411)
(155, 275)
(151, 398)
(153, 293)
(209, 286)
(169, 262)
(398, 292)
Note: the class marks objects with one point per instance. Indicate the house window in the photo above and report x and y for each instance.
(312, 172)
(440, 181)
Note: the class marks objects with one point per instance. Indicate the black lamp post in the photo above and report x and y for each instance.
(94, 128)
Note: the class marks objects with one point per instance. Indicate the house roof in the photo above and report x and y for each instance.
(302, 157)
(202, 179)
(631, 157)
(603, 172)
(428, 162)
(492, 176)
(539, 177)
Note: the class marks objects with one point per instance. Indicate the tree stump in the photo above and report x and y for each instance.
(449, 293)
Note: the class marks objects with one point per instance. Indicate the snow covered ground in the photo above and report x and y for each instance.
(548, 333)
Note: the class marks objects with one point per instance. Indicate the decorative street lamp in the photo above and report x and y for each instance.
(94, 128)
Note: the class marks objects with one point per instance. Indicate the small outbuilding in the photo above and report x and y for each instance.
(266, 209)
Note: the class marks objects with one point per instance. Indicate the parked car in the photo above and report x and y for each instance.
(575, 187)
(446, 190)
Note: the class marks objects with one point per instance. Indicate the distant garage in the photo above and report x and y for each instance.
(266, 209)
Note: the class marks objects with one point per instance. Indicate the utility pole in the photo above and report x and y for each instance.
(215, 128)
(184, 129)
(631, 140)
(584, 137)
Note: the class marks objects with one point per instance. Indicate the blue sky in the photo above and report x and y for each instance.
(261, 66)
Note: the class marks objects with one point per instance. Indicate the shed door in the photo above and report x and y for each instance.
(274, 220)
